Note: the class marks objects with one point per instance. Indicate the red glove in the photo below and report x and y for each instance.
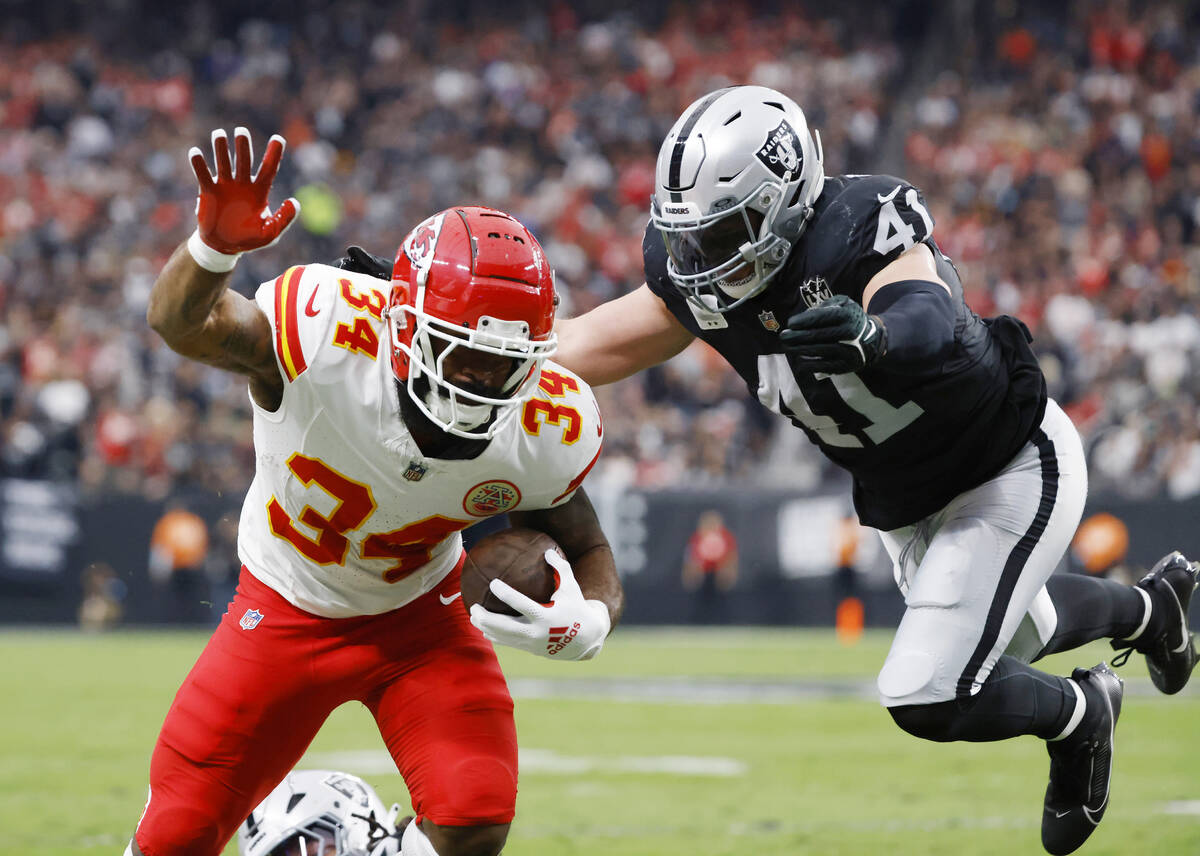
(232, 212)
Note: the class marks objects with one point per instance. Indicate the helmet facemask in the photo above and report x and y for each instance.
(323, 837)
(729, 254)
(457, 409)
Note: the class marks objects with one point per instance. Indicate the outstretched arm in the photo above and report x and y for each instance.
(620, 338)
(190, 304)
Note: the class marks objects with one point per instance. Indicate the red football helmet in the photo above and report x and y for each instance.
(475, 278)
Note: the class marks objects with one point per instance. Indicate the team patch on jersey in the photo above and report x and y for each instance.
(491, 497)
(815, 290)
(780, 153)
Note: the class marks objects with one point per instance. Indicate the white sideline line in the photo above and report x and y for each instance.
(546, 761)
(1183, 807)
(691, 690)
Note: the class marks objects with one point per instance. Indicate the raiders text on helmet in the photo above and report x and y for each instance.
(735, 183)
(473, 278)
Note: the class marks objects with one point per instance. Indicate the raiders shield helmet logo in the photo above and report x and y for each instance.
(780, 153)
(814, 291)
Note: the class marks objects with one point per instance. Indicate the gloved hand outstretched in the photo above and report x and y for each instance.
(233, 213)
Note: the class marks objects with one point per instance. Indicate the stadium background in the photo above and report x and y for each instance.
(1056, 144)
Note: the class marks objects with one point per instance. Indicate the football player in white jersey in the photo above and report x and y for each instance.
(387, 418)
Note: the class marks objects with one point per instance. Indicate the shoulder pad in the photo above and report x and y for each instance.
(564, 415)
(866, 225)
(304, 303)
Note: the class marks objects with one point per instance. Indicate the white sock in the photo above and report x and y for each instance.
(1141, 628)
(1076, 715)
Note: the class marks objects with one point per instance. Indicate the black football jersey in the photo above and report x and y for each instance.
(912, 440)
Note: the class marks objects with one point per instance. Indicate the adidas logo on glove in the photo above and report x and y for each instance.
(560, 637)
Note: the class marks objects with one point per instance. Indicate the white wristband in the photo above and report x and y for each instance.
(208, 258)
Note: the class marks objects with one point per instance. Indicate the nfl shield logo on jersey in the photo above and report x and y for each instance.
(250, 619)
(768, 320)
(815, 291)
(415, 471)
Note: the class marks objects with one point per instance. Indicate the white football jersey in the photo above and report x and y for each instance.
(345, 516)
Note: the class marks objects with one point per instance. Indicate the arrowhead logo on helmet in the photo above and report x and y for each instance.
(467, 283)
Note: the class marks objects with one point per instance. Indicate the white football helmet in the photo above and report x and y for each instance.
(734, 187)
(317, 813)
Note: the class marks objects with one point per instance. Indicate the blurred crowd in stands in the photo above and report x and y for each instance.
(1057, 148)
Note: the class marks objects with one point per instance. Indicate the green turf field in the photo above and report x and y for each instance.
(674, 742)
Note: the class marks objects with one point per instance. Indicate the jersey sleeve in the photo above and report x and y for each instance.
(318, 315)
(563, 420)
(870, 224)
(654, 262)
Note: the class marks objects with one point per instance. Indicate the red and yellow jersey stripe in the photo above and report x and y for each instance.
(287, 321)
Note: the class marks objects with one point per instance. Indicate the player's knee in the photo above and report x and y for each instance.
(182, 831)
(485, 840)
(480, 791)
(908, 677)
(928, 721)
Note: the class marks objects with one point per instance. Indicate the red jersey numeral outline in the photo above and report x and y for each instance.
(411, 545)
(555, 385)
(361, 338)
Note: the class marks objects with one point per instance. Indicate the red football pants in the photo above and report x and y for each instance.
(256, 698)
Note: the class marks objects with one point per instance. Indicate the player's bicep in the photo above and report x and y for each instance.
(915, 263)
(236, 336)
(620, 338)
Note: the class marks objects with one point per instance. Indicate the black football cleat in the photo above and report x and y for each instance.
(1166, 641)
(1081, 764)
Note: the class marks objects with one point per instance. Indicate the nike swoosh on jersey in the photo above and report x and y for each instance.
(446, 601)
(882, 199)
(308, 310)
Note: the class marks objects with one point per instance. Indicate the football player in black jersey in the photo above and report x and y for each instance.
(832, 300)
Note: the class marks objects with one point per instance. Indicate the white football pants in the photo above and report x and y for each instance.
(973, 574)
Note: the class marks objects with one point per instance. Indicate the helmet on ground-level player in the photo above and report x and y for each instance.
(734, 187)
(317, 813)
(470, 278)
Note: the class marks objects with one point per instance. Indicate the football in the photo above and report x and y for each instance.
(516, 556)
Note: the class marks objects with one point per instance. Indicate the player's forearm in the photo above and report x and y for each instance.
(576, 529)
(183, 297)
(919, 317)
(620, 338)
(596, 573)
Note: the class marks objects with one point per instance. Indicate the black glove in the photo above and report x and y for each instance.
(358, 260)
(835, 337)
